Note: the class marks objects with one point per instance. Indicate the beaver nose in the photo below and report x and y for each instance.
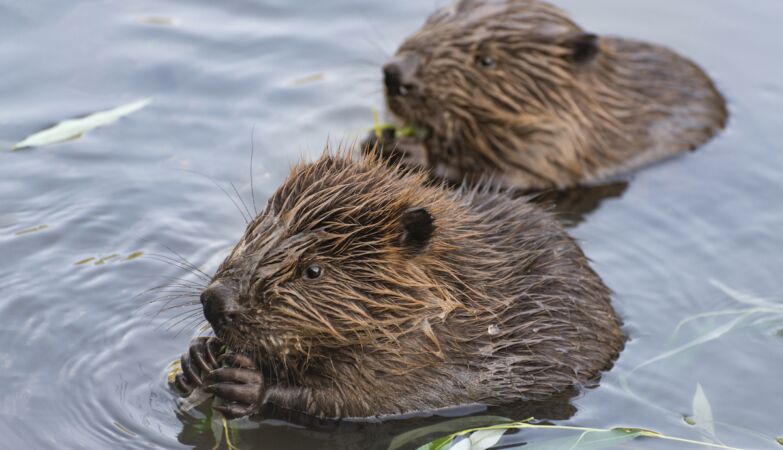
(398, 76)
(220, 306)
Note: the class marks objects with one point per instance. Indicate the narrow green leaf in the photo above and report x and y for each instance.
(706, 337)
(588, 440)
(740, 296)
(450, 426)
(464, 444)
(134, 255)
(307, 79)
(74, 128)
(216, 424)
(437, 444)
(484, 439)
(702, 413)
(31, 230)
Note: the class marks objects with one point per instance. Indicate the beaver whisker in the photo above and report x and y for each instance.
(211, 179)
(173, 262)
(194, 287)
(189, 298)
(191, 326)
(179, 319)
(239, 196)
(195, 303)
(174, 282)
(252, 187)
(186, 262)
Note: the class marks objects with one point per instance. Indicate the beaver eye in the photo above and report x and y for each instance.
(313, 272)
(485, 62)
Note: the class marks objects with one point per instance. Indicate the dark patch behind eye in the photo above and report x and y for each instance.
(584, 47)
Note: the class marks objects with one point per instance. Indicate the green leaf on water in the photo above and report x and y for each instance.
(449, 426)
(123, 429)
(702, 413)
(106, 258)
(134, 255)
(31, 230)
(157, 20)
(704, 338)
(779, 440)
(307, 79)
(438, 444)
(484, 439)
(587, 440)
(74, 128)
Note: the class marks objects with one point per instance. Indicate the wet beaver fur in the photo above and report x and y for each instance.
(364, 290)
(516, 90)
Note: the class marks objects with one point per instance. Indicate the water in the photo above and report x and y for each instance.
(83, 359)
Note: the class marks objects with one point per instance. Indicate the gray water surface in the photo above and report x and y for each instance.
(83, 356)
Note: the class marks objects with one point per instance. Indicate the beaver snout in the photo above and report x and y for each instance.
(399, 75)
(220, 306)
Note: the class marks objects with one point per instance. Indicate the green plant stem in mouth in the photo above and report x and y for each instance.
(407, 129)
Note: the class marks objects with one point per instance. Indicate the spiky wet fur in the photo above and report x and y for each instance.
(499, 306)
(539, 119)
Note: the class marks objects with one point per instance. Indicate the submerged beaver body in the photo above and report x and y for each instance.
(515, 90)
(362, 290)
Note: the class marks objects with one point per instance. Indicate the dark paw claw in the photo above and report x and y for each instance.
(199, 361)
(238, 386)
(182, 385)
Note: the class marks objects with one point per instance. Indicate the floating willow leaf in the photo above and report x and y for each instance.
(586, 439)
(741, 296)
(702, 413)
(484, 439)
(704, 338)
(74, 128)
(449, 426)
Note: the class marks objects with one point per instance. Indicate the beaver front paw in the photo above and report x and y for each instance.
(239, 386)
(200, 360)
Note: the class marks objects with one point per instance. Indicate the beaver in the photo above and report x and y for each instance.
(516, 90)
(365, 290)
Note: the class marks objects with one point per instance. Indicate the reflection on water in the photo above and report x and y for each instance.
(84, 357)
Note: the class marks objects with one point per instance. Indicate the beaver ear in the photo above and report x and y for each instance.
(418, 226)
(583, 46)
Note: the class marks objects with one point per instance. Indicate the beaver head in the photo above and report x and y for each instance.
(361, 290)
(327, 265)
(516, 89)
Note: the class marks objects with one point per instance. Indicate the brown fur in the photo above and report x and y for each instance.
(556, 107)
(497, 305)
